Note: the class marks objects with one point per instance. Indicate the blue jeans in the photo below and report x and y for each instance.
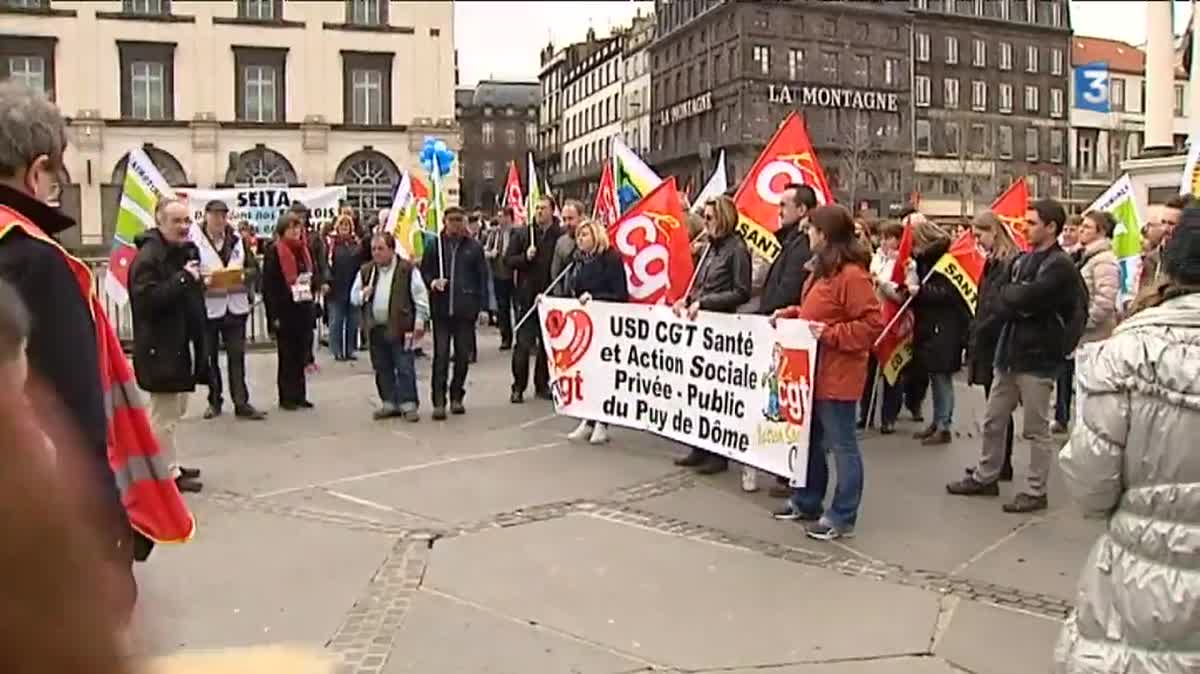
(832, 430)
(943, 400)
(395, 371)
(343, 328)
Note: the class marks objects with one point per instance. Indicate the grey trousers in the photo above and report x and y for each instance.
(1033, 393)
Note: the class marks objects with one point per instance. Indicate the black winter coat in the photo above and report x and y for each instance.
(941, 318)
(601, 276)
(985, 330)
(284, 313)
(531, 277)
(347, 260)
(724, 278)
(1034, 304)
(466, 271)
(788, 273)
(168, 316)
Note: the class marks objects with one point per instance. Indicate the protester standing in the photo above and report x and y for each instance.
(722, 284)
(597, 273)
(839, 302)
(1038, 307)
(288, 272)
(345, 259)
(320, 274)
(564, 248)
(227, 306)
(495, 245)
(166, 296)
(997, 242)
(1131, 460)
(883, 267)
(395, 305)
(941, 321)
(455, 272)
(530, 254)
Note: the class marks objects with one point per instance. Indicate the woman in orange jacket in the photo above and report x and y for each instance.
(839, 301)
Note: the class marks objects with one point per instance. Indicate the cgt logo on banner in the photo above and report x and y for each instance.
(262, 205)
(730, 384)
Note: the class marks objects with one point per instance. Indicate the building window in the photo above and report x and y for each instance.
(259, 10)
(950, 93)
(1056, 185)
(1006, 51)
(979, 95)
(951, 49)
(1006, 98)
(922, 91)
(370, 179)
(260, 94)
(1055, 13)
(1179, 100)
(978, 146)
(795, 63)
(762, 56)
(28, 70)
(952, 139)
(261, 166)
(531, 134)
(367, 89)
(923, 135)
(1031, 98)
(1056, 102)
(829, 66)
(487, 170)
(366, 12)
(1004, 141)
(980, 60)
(510, 137)
(829, 27)
(147, 7)
(895, 177)
(1116, 94)
(1005, 10)
(922, 47)
(1031, 11)
(147, 80)
(862, 69)
(1084, 154)
(891, 71)
(1056, 146)
(487, 133)
(1031, 143)
(1031, 58)
(1056, 61)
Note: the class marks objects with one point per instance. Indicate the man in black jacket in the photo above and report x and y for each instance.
(1036, 307)
(456, 273)
(787, 274)
(166, 294)
(61, 348)
(530, 254)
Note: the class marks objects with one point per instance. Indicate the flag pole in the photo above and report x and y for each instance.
(538, 298)
(696, 273)
(892, 323)
(437, 225)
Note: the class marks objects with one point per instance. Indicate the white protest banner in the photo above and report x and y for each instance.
(262, 204)
(727, 383)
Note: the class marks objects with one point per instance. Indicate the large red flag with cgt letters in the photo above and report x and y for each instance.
(652, 237)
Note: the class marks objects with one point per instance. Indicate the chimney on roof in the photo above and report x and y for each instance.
(591, 34)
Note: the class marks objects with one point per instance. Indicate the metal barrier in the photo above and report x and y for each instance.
(122, 317)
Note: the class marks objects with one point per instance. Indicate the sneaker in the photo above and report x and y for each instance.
(189, 473)
(249, 413)
(692, 460)
(212, 412)
(506, 346)
(1006, 473)
(749, 479)
(189, 484)
(411, 416)
(1058, 429)
(599, 435)
(887, 429)
(383, 413)
(937, 438)
(713, 465)
(583, 430)
(456, 407)
(925, 432)
(824, 531)
(516, 398)
(439, 413)
(969, 486)
(1025, 503)
(917, 417)
(305, 404)
(789, 513)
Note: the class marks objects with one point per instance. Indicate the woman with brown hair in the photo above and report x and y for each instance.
(345, 259)
(722, 284)
(840, 303)
(288, 270)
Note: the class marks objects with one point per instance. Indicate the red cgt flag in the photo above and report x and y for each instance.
(652, 237)
(605, 208)
(788, 158)
(894, 348)
(1010, 208)
(512, 195)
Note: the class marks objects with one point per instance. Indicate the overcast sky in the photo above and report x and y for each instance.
(501, 40)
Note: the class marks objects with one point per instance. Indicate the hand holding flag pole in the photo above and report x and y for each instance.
(903, 307)
(538, 299)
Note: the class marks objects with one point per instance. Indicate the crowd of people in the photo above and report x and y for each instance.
(1048, 325)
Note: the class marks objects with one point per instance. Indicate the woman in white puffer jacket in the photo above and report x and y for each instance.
(1133, 458)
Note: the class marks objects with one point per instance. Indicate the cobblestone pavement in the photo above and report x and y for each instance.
(487, 543)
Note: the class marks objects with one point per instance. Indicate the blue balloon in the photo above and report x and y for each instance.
(427, 164)
(429, 141)
(439, 145)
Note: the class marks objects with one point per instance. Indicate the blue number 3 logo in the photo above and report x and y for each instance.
(1096, 90)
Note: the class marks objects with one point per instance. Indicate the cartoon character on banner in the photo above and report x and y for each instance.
(787, 382)
(570, 335)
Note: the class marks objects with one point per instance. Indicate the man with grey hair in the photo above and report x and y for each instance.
(166, 294)
(62, 347)
(564, 248)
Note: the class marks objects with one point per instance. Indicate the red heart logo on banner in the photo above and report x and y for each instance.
(580, 336)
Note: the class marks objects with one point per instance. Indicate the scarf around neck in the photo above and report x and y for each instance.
(291, 253)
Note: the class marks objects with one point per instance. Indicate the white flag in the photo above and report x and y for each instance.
(717, 185)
